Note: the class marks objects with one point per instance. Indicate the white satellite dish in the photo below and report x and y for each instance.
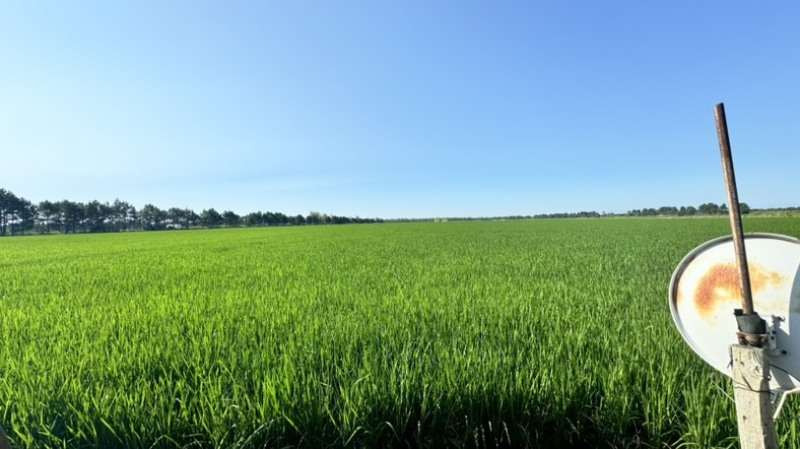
(704, 292)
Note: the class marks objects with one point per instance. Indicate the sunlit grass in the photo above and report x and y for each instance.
(478, 334)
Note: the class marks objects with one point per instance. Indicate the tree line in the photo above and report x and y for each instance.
(684, 211)
(704, 209)
(20, 216)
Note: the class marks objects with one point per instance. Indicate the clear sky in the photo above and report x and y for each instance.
(399, 108)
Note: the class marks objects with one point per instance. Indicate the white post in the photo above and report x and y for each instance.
(751, 391)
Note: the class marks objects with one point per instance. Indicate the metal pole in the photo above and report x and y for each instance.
(750, 364)
(733, 208)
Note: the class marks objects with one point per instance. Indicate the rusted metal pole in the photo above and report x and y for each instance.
(750, 364)
(733, 208)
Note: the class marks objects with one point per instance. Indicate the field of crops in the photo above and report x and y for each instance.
(551, 333)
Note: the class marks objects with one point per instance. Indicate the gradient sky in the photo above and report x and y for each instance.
(399, 109)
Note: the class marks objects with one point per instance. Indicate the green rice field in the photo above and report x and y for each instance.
(542, 333)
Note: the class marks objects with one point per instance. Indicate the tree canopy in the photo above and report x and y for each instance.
(19, 216)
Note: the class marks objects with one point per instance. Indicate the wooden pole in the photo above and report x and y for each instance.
(751, 391)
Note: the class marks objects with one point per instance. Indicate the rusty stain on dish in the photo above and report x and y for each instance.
(721, 284)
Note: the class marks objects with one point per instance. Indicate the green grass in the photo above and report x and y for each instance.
(552, 333)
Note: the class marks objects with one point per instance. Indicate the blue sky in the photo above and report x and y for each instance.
(399, 109)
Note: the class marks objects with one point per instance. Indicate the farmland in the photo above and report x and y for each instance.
(551, 333)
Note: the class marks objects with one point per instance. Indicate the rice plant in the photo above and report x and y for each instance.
(551, 333)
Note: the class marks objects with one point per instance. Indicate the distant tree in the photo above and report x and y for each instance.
(26, 216)
(334, 219)
(708, 209)
(210, 218)
(744, 208)
(230, 219)
(48, 216)
(253, 219)
(178, 218)
(281, 219)
(123, 215)
(191, 217)
(8, 207)
(668, 210)
(72, 215)
(314, 218)
(17, 215)
(175, 218)
(96, 216)
(152, 218)
(650, 212)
